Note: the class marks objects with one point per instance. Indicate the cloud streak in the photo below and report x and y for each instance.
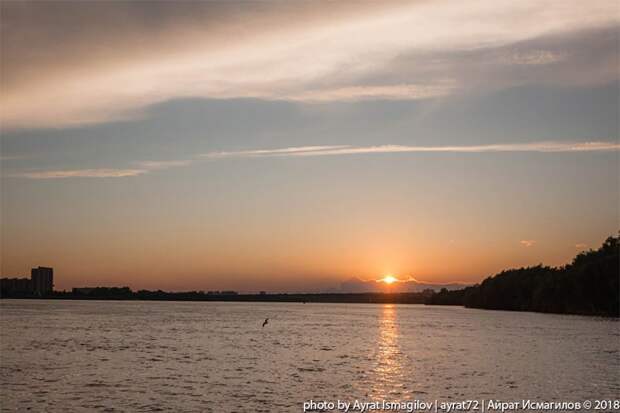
(385, 92)
(541, 147)
(81, 173)
(536, 57)
(145, 167)
(156, 165)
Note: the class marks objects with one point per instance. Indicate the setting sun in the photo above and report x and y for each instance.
(388, 279)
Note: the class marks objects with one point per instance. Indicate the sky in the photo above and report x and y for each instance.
(292, 145)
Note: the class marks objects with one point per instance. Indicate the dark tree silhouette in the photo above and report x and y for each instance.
(590, 285)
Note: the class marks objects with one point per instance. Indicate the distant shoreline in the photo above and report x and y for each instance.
(352, 298)
(309, 298)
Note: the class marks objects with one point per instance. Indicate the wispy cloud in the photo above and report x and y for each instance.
(290, 151)
(144, 167)
(12, 157)
(545, 147)
(81, 173)
(385, 92)
(346, 55)
(581, 246)
(153, 165)
(535, 57)
(527, 243)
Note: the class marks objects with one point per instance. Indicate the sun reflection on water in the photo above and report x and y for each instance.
(388, 371)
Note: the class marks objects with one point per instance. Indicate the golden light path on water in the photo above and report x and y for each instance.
(388, 374)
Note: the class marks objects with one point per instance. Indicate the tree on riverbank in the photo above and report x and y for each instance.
(590, 285)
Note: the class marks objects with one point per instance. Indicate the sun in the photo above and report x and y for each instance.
(389, 279)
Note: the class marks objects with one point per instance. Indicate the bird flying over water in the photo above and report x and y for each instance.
(265, 322)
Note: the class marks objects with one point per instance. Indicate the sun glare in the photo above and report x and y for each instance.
(388, 279)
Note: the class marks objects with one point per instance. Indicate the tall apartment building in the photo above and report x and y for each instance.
(42, 280)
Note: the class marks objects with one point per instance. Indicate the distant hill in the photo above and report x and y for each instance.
(356, 285)
(590, 285)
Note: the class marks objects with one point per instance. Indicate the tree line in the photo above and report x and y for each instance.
(589, 285)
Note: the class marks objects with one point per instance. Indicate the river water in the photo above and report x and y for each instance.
(216, 357)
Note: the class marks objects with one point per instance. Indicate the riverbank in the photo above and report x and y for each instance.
(127, 294)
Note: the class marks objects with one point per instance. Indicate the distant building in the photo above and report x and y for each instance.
(15, 286)
(41, 283)
(42, 280)
(83, 290)
(222, 293)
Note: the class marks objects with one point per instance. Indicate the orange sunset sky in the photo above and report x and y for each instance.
(284, 146)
